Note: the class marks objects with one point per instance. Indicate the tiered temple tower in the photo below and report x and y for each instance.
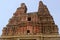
(34, 23)
(23, 23)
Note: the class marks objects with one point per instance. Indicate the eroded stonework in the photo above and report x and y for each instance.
(33, 23)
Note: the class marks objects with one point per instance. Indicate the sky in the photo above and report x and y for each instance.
(8, 7)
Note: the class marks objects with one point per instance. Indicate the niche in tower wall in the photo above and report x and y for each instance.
(29, 18)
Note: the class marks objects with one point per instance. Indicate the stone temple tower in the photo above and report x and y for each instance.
(31, 26)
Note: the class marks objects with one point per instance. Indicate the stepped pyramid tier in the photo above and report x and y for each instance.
(33, 23)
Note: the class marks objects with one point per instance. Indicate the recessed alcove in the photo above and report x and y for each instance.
(29, 18)
(28, 31)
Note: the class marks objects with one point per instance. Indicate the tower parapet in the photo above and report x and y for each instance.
(21, 10)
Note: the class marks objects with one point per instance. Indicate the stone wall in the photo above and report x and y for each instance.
(31, 37)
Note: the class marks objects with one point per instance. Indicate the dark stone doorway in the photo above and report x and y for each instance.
(27, 39)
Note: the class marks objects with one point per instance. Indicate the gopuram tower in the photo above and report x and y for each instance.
(38, 25)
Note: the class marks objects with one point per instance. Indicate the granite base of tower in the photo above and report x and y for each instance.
(31, 37)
